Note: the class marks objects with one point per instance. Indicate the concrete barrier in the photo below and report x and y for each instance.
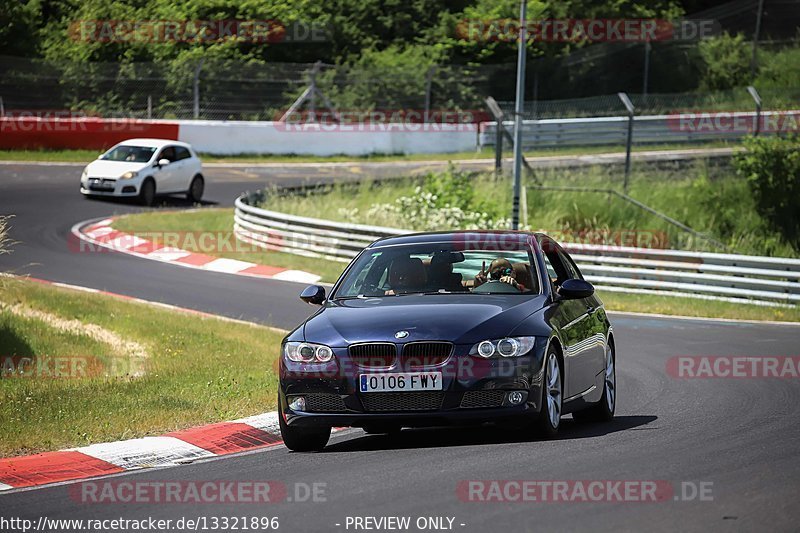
(88, 133)
(243, 137)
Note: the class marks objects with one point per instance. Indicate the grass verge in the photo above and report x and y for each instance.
(198, 370)
(219, 220)
(86, 156)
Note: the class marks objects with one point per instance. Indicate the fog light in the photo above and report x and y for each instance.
(515, 398)
(298, 403)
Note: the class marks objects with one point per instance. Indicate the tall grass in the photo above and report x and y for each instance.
(704, 195)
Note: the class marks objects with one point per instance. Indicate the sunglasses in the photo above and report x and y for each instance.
(500, 272)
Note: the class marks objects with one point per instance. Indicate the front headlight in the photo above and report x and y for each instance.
(307, 352)
(506, 347)
(84, 175)
(129, 175)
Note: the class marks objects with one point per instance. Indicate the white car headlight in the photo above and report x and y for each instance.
(129, 175)
(307, 352)
(84, 175)
(506, 347)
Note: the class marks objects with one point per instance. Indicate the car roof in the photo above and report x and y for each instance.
(153, 143)
(448, 236)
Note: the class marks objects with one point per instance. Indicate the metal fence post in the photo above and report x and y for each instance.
(196, 87)
(629, 106)
(497, 112)
(757, 98)
(756, 35)
(2, 108)
(149, 107)
(647, 49)
(518, 111)
(428, 90)
(312, 95)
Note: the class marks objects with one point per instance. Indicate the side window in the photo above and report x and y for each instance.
(551, 272)
(569, 264)
(168, 153)
(556, 268)
(181, 153)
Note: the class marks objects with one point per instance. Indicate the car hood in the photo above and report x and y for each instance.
(462, 319)
(112, 169)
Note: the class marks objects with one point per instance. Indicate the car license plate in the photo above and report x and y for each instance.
(408, 381)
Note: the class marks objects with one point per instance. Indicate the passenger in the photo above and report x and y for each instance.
(500, 270)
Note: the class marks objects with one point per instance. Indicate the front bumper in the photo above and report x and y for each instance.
(478, 394)
(91, 186)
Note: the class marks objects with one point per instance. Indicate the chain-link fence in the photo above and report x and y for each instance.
(265, 92)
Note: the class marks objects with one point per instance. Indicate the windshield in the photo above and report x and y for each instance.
(131, 154)
(439, 268)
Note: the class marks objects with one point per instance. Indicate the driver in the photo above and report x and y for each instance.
(500, 271)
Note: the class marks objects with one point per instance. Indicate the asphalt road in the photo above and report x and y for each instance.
(741, 435)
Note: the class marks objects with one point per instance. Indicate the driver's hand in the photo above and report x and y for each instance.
(511, 281)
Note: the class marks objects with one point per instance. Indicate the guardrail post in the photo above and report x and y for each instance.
(757, 98)
(629, 106)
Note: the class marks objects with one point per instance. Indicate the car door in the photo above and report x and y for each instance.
(590, 331)
(571, 320)
(166, 176)
(185, 168)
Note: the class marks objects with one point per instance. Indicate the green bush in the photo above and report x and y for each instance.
(771, 166)
(727, 62)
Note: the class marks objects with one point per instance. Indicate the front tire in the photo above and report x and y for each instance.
(147, 194)
(603, 411)
(552, 387)
(303, 439)
(196, 188)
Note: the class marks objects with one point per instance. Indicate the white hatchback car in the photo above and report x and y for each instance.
(143, 168)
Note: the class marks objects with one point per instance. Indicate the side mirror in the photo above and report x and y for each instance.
(574, 289)
(163, 162)
(313, 294)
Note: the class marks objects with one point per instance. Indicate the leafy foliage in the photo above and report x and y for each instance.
(771, 166)
(727, 62)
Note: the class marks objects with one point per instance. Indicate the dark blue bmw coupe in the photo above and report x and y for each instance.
(443, 328)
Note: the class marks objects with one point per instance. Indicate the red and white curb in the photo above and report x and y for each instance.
(172, 449)
(101, 234)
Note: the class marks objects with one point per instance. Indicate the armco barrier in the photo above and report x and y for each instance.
(762, 280)
(651, 129)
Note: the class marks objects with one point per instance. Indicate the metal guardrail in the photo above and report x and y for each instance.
(614, 130)
(732, 277)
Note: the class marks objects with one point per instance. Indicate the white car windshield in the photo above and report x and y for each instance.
(130, 154)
